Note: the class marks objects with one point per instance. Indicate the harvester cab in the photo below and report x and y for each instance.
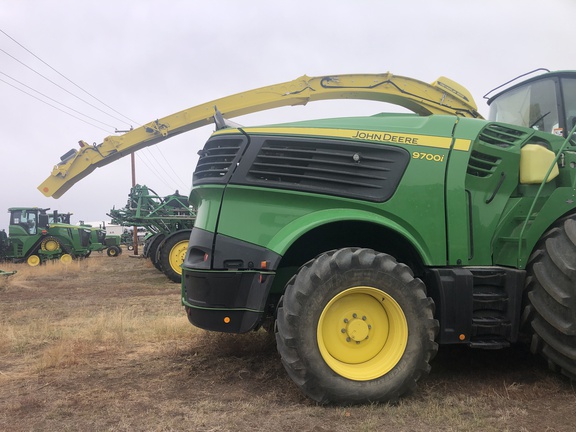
(545, 103)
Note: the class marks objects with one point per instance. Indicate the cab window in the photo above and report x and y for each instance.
(533, 105)
(26, 219)
(569, 91)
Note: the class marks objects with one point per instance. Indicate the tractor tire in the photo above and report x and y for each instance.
(151, 249)
(33, 260)
(171, 254)
(113, 251)
(355, 326)
(549, 315)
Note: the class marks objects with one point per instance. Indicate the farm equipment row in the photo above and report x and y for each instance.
(168, 220)
(36, 236)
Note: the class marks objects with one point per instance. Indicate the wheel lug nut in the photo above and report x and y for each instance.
(345, 320)
(347, 339)
(364, 318)
(343, 330)
(354, 316)
(357, 342)
(369, 327)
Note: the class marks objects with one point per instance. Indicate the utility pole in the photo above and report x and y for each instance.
(135, 228)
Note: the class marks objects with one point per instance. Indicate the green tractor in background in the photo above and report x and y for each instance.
(34, 236)
(169, 220)
(100, 241)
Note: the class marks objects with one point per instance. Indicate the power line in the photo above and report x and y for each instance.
(54, 100)
(183, 183)
(153, 171)
(177, 180)
(60, 87)
(68, 79)
(55, 107)
(157, 174)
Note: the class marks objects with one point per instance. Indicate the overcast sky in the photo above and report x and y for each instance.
(148, 59)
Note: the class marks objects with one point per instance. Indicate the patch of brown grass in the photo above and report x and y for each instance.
(104, 344)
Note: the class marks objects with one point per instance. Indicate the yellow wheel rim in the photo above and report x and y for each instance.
(50, 245)
(177, 255)
(33, 260)
(66, 259)
(362, 333)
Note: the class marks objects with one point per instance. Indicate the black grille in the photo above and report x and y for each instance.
(502, 136)
(365, 171)
(217, 159)
(481, 164)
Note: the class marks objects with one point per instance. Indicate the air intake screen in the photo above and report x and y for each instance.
(364, 171)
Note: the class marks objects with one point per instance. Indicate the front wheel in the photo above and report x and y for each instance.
(355, 326)
(171, 254)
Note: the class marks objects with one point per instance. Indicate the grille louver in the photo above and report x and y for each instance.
(502, 136)
(481, 164)
(361, 171)
(217, 159)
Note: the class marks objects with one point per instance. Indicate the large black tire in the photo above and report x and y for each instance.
(550, 303)
(114, 251)
(151, 249)
(355, 326)
(171, 253)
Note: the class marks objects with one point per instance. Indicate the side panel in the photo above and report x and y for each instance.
(460, 212)
(258, 215)
(491, 181)
(382, 180)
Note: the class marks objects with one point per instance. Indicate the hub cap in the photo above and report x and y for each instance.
(177, 255)
(362, 333)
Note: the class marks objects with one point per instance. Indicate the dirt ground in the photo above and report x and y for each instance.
(104, 345)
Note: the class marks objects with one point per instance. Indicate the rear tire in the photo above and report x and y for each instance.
(550, 311)
(355, 326)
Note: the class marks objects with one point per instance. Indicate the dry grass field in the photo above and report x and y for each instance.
(104, 345)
